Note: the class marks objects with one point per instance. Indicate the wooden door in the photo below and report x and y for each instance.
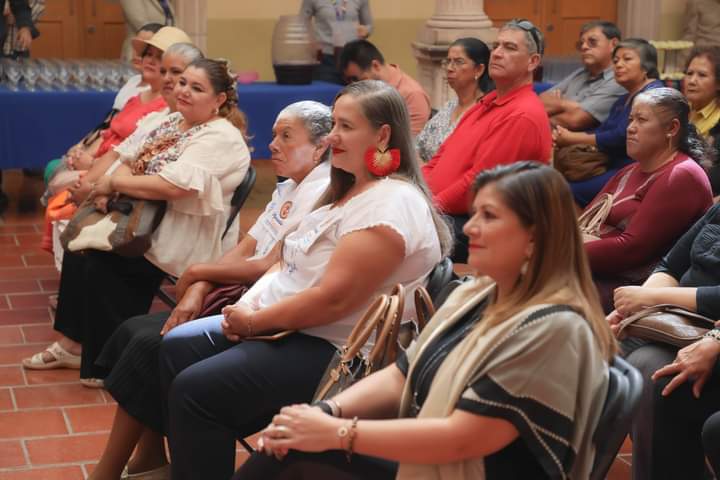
(103, 30)
(79, 29)
(59, 26)
(563, 19)
(559, 20)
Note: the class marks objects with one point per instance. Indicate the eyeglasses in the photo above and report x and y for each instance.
(592, 42)
(455, 63)
(528, 26)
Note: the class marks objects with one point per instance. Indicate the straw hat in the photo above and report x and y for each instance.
(164, 37)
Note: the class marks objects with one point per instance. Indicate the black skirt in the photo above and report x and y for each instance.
(131, 356)
(98, 292)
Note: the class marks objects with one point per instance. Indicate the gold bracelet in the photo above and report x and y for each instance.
(249, 327)
(349, 432)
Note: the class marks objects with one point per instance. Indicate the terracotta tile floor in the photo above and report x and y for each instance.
(51, 427)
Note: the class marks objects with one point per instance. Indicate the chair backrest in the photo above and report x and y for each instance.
(241, 194)
(439, 277)
(622, 400)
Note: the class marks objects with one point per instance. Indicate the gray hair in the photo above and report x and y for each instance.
(534, 38)
(187, 51)
(316, 117)
(645, 50)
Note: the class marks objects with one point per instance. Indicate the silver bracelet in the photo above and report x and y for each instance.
(714, 334)
(334, 407)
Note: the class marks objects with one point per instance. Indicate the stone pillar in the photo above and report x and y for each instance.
(452, 19)
(191, 16)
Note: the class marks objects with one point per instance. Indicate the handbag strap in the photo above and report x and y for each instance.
(424, 308)
(385, 349)
(661, 308)
(364, 328)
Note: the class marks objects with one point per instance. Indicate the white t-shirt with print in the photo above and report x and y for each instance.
(290, 202)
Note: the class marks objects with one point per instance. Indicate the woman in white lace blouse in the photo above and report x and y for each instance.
(467, 75)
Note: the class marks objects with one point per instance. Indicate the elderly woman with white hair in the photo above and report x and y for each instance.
(131, 355)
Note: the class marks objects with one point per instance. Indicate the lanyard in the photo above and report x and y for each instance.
(340, 10)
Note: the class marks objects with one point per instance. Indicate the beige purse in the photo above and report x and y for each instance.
(349, 364)
(666, 323)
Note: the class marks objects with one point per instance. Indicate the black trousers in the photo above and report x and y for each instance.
(98, 291)
(218, 391)
(667, 431)
(316, 466)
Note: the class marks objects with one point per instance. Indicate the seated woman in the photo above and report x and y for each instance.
(130, 355)
(61, 205)
(685, 386)
(467, 75)
(374, 227)
(654, 200)
(174, 61)
(701, 86)
(194, 160)
(635, 65)
(479, 394)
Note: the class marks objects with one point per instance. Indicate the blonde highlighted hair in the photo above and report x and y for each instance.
(558, 270)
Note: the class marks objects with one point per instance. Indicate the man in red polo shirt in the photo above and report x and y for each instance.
(507, 125)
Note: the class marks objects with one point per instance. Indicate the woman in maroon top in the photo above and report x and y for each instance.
(656, 198)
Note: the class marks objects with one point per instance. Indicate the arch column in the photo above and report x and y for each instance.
(452, 19)
(191, 16)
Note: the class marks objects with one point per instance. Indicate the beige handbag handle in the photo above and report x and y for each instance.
(594, 217)
(424, 308)
(364, 328)
(385, 349)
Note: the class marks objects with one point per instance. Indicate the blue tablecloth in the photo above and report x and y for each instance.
(36, 127)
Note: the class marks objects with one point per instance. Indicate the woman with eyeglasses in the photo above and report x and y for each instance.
(466, 66)
(635, 65)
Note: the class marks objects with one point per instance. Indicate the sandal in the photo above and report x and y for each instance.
(92, 382)
(61, 359)
(160, 473)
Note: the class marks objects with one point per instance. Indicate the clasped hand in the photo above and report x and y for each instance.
(237, 322)
(300, 427)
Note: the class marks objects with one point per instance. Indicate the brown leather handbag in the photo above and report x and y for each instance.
(349, 364)
(580, 162)
(666, 323)
(424, 310)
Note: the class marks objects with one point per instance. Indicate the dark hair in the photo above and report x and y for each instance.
(672, 104)
(382, 105)
(645, 50)
(712, 53)
(223, 81)
(609, 29)
(360, 52)
(151, 27)
(558, 270)
(478, 52)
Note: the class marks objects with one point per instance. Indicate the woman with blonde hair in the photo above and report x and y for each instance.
(507, 380)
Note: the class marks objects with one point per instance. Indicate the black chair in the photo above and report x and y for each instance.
(439, 277)
(238, 200)
(622, 400)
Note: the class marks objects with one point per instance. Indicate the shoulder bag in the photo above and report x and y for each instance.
(666, 323)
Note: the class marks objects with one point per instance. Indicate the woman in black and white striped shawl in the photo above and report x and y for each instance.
(506, 381)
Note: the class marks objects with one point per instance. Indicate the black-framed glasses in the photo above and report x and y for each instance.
(455, 63)
(527, 25)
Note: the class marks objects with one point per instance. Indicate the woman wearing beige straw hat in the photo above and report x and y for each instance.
(140, 12)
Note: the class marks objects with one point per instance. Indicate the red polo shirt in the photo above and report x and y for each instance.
(495, 131)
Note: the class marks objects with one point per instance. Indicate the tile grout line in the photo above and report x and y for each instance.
(68, 425)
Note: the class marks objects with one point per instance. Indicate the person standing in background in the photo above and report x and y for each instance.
(16, 42)
(141, 12)
(336, 22)
(702, 22)
(19, 12)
